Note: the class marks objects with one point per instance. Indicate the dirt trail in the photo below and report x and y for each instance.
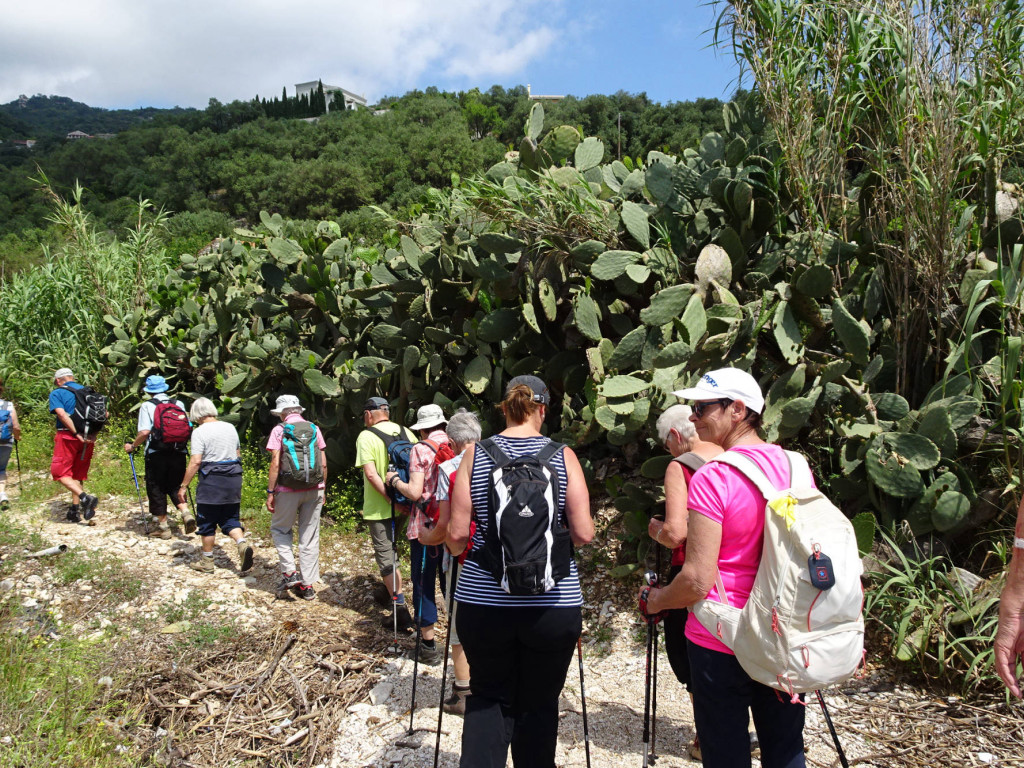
(880, 722)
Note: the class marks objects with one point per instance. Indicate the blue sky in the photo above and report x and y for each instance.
(126, 53)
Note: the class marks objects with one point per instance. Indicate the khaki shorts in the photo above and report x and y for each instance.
(380, 535)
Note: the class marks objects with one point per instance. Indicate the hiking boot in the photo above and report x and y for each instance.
(306, 591)
(429, 656)
(405, 622)
(88, 503)
(290, 580)
(73, 516)
(161, 531)
(189, 522)
(244, 556)
(456, 703)
(5, 503)
(204, 564)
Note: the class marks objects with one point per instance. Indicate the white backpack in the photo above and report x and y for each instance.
(791, 635)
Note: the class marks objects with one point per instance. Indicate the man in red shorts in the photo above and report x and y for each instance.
(72, 451)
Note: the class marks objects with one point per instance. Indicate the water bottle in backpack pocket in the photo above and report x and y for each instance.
(301, 465)
(526, 548)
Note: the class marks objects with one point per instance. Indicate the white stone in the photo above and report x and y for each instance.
(380, 692)
(84, 587)
(6, 585)
(105, 682)
(34, 580)
(249, 581)
(29, 602)
(985, 757)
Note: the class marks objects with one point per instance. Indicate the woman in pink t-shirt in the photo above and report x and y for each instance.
(725, 534)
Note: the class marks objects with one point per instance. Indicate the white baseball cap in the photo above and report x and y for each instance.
(731, 383)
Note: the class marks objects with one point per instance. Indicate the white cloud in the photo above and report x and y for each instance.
(115, 53)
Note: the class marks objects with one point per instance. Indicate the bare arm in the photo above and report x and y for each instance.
(140, 438)
(1009, 642)
(437, 534)
(461, 507)
(190, 471)
(699, 571)
(577, 501)
(413, 490)
(275, 468)
(15, 424)
(64, 419)
(672, 532)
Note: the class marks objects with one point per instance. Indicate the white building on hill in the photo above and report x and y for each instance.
(352, 100)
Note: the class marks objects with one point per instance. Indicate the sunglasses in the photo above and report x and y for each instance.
(703, 405)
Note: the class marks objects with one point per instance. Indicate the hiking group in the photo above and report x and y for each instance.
(761, 606)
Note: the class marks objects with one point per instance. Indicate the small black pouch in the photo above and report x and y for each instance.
(822, 575)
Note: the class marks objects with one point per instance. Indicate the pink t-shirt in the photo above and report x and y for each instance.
(274, 444)
(723, 494)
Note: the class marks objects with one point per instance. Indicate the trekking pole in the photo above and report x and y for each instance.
(135, 477)
(654, 674)
(188, 490)
(444, 665)
(652, 580)
(832, 730)
(583, 698)
(419, 637)
(17, 458)
(394, 649)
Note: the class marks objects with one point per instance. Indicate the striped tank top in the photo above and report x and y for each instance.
(476, 585)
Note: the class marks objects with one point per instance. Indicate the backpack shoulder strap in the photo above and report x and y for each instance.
(750, 470)
(404, 433)
(691, 460)
(800, 475)
(388, 439)
(493, 450)
(548, 452)
(430, 444)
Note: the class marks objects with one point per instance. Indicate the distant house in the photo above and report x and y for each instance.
(27, 143)
(352, 100)
(77, 135)
(105, 136)
(537, 97)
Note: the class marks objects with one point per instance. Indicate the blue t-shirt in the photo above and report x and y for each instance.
(62, 398)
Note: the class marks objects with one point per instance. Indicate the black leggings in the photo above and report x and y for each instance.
(520, 658)
(675, 638)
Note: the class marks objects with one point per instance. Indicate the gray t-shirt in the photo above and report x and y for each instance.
(215, 441)
(148, 410)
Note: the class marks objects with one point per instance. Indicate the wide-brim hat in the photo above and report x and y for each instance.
(731, 383)
(286, 401)
(429, 416)
(155, 385)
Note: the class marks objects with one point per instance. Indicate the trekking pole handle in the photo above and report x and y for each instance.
(651, 579)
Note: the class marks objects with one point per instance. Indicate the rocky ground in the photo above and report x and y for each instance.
(227, 673)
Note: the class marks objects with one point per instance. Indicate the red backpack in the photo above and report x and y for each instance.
(171, 429)
(442, 453)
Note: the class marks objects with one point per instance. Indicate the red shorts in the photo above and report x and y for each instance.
(67, 457)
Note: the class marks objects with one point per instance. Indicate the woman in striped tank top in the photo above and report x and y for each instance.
(519, 646)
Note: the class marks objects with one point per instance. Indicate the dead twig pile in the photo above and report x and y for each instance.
(277, 699)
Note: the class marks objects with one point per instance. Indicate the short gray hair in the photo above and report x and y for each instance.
(290, 410)
(464, 427)
(202, 408)
(676, 417)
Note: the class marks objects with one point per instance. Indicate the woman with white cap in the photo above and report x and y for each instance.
(424, 459)
(161, 417)
(296, 496)
(725, 533)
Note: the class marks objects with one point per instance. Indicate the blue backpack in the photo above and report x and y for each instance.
(399, 449)
(6, 434)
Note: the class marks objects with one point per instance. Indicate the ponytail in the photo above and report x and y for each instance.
(518, 405)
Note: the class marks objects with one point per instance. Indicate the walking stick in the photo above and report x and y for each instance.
(17, 458)
(135, 477)
(444, 665)
(832, 730)
(419, 637)
(654, 676)
(583, 698)
(394, 649)
(652, 580)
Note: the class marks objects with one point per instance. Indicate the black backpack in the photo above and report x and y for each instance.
(523, 501)
(300, 467)
(90, 415)
(399, 448)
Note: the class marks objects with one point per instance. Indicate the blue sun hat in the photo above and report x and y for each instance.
(155, 385)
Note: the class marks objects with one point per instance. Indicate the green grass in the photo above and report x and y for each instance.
(53, 707)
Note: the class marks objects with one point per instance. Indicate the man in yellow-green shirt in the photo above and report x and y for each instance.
(380, 515)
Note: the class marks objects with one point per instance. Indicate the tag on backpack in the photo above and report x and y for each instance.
(822, 575)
